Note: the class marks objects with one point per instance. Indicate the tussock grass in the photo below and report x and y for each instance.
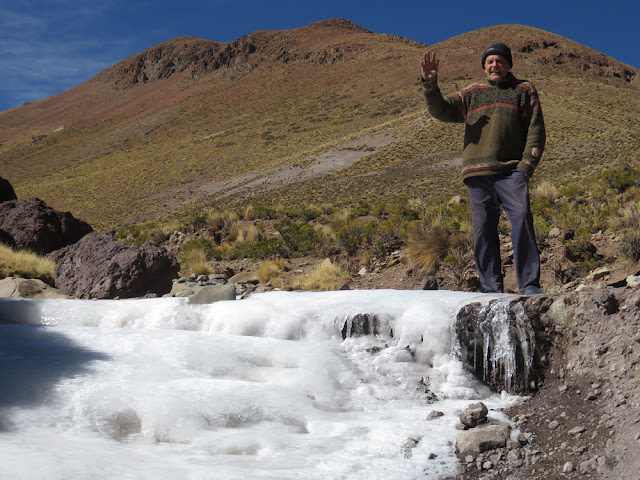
(270, 270)
(246, 233)
(249, 213)
(546, 191)
(325, 277)
(426, 247)
(340, 219)
(195, 261)
(628, 217)
(24, 264)
(218, 220)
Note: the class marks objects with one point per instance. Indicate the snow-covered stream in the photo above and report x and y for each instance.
(263, 388)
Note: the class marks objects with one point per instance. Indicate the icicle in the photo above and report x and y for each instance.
(504, 332)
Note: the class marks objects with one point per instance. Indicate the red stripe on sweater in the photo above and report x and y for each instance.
(522, 85)
(474, 88)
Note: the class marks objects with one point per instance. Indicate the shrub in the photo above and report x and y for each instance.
(300, 238)
(25, 264)
(385, 237)
(631, 245)
(351, 237)
(620, 177)
(304, 213)
(362, 209)
(257, 249)
(200, 244)
(380, 209)
(132, 234)
(265, 213)
(327, 276)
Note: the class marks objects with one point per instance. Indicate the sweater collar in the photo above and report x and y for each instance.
(506, 81)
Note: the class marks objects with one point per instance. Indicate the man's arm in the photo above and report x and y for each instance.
(446, 109)
(536, 134)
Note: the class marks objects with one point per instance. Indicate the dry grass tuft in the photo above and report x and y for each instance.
(248, 233)
(270, 270)
(25, 264)
(249, 213)
(218, 220)
(195, 261)
(629, 217)
(427, 246)
(325, 277)
(340, 219)
(545, 191)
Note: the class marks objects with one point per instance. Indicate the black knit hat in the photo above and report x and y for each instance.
(498, 49)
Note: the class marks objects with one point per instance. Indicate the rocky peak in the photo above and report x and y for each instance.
(176, 56)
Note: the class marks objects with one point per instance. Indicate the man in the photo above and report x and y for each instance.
(504, 140)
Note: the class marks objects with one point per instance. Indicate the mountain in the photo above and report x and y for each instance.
(330, 112)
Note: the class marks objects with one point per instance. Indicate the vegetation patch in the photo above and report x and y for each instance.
(25, 264)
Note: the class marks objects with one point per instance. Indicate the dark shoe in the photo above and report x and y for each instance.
(531, 290)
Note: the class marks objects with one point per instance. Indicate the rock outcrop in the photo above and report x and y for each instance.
(502, 345)
(98, 266)
(6, 191)
(32, 225)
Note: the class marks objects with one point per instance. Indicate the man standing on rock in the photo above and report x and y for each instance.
(503, 142)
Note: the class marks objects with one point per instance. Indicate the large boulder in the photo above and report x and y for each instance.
(98, 266)
(475, 441)
(33, 225)
(32, 288)
(6, 191)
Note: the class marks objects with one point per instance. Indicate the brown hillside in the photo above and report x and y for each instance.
(328, 112)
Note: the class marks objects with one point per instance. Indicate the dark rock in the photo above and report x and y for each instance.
(362, 324)
(32, 225)
(99, 266)
(502, 343)
(429, 283)
(6, 191)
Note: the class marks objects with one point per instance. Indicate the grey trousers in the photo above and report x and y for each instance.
(486, 193)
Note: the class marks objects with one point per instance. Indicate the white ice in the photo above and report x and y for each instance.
(261, 388)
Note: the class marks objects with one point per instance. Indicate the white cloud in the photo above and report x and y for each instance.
(48, 47)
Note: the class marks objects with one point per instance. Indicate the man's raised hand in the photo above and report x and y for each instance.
(429, 66)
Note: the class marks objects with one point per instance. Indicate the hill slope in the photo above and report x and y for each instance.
(325, 113)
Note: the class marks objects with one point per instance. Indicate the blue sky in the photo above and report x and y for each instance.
(49, 46)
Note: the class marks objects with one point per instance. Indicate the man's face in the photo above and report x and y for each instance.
(496, 67)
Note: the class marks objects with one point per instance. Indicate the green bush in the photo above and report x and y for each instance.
(351, 237)
(621, 177)
(631, 245)
(132, 234)
(300, 238)
(198, 244)
(265, 213)
(258, 249)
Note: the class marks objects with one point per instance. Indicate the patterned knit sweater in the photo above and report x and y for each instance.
(504, 124)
